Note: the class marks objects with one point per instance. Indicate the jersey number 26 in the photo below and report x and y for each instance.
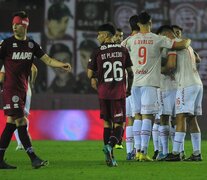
(116, 67)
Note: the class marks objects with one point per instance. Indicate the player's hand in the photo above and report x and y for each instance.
(67, 67)
(94, 83)
(187, 42)
(128, 92)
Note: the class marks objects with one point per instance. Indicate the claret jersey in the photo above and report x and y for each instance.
(110, 62)
(18, 56)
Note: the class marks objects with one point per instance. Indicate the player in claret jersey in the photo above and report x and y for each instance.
(108, 64)
(17, 54)
(146, 58)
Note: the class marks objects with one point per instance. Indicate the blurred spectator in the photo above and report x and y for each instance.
(63, 82)
(85, 49)
(58, 17)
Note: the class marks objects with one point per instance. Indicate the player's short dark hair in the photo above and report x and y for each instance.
(133, 20)
(178, 27)
(164, 28)
(58, 48)
(107, 27)
(144, 17)
(88, 45)
(119, 29)
(21, 14)
(57, 11)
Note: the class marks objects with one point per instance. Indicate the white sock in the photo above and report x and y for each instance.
(137, 126)
(164, 135)
(17, 137)
(182, 149)
(172, 133)
(129, 139)
(145, 134)
(196, 143)
(160, 144)
(178, 141)
(155, 136)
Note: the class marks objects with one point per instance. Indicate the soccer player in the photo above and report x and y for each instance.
(119, 36)
(130, 134)
(168, 87)
(17, 54)
(188, 104)
(108, 63)
(28, 99)
(145, 54)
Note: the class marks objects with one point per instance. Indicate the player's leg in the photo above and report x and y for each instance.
(194, 127)
(195, 139)
(130, 139)
(137, 125)
(26, 111)
(129, 130)
(5, 140)
(149, 107)
(21, 124)
(19, 144)
(164, 136)
(119, 145)
(155, 136)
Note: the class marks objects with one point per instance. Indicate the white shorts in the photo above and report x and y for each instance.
(28, 101)
(167, 100)
(144, 100)
(189, 100)
(129, 107)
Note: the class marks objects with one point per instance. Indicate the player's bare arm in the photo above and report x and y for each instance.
(92, 78)
(197, 57)
(170, 65)
(185, 43)
(34, 72)
(130, 80)
(55, 63)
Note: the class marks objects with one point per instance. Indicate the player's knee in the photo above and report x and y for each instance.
(21, 121)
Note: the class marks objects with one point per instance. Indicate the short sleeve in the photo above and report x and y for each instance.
(2, 49)
(166, 42)
(38, 52)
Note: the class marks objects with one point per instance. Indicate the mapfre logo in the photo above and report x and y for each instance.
(22, 55)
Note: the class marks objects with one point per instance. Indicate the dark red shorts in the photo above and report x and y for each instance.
(113, 110)
(14, 102)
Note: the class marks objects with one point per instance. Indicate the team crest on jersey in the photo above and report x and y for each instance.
(15, 98)
(31, 45)
(14, 45)
(103, 47)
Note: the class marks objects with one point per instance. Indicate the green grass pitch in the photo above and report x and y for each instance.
(85, 160)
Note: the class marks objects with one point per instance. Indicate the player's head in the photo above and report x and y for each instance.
(20, 23)
(57, 20)
(86, 47)
(133, 21)
(166, 30)
(144, 18)
(177, 30)
(106, 33)
(119, 36)
(61, 52)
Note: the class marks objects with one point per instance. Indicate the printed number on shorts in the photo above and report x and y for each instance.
(142, 54)
(113, 71)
